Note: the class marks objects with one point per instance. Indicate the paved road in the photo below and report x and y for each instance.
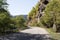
(34, 33)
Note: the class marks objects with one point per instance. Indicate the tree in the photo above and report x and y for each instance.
(19, 22)
(4, 17)
(33, 15)
(4, 20)
(52, 13)
(3, 4)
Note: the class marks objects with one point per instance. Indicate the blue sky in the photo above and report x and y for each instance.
(20, 7)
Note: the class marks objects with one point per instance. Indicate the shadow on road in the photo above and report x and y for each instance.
(25, 36)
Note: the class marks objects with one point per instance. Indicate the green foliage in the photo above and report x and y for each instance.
(32, 14)
(19, 22)
(3, 4)
(4, 17)
(4, 20)
(52, 13)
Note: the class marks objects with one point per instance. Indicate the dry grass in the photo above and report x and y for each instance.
(53, 34)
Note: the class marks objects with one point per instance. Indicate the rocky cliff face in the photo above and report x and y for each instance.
(42, 6)
(41, 9)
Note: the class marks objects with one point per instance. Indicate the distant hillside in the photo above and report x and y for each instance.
(25, 16)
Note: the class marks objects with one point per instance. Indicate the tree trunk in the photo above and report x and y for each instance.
(54, 27)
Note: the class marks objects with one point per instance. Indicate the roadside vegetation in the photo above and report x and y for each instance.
(9, 23)
(50, 20)
(19, 22)
(54, 35)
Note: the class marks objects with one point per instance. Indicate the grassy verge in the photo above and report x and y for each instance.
(53, 34)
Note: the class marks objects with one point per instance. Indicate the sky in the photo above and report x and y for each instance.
(20, 7)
